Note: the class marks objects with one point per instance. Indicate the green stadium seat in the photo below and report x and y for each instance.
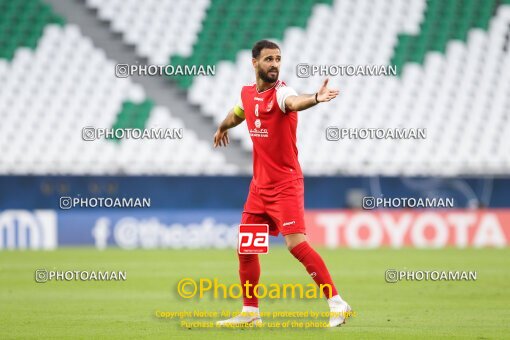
(22, 24)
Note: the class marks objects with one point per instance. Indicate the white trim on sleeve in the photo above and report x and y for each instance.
(282, 93)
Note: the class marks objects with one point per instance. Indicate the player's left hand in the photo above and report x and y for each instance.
(221, 138)
(325, 94)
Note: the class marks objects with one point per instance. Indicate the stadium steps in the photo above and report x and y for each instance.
(22, 25)
(160, 91)
(71, 85)
(455, 81)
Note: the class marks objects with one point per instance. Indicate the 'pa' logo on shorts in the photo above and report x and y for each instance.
(253, 239)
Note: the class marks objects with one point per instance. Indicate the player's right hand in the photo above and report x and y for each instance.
(221, 138)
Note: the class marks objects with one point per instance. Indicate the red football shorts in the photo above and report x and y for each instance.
(281, 207)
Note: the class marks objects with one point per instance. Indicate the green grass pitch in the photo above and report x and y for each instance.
(116, 309)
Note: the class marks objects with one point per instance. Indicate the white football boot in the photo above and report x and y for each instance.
(339, 311)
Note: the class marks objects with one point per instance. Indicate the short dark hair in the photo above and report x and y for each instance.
(260, 45)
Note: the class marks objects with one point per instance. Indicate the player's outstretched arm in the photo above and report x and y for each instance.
(221, 135)
(305, 101)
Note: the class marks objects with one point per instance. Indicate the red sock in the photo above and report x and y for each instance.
(315, 266)
(249, 270)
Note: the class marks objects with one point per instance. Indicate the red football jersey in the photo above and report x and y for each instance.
(273, 133)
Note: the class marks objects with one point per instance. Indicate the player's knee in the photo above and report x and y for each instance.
(293, 240)
(290, 246)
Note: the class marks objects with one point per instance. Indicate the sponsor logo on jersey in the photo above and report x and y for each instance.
(259, 133)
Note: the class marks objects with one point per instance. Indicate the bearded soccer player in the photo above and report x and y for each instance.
(276, 195)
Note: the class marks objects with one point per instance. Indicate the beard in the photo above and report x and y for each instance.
(267, 78)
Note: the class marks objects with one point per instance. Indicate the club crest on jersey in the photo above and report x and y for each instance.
(257, 123)
(269, 106)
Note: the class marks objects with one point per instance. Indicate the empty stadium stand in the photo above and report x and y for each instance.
(55, 83)
(452, 59)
